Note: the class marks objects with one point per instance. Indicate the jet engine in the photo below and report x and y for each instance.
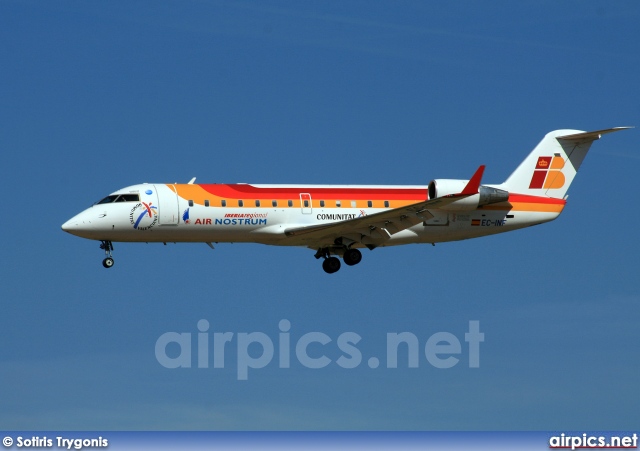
(486, 195)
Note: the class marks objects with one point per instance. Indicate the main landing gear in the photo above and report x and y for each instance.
(352, 257)
(108, 249)
(331, 264)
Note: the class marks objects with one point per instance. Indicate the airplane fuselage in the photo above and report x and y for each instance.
(262, 213)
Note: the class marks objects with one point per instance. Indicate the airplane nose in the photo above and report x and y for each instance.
(77, 225)
(72, 225)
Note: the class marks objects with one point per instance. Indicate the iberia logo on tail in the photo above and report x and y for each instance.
(548, 173)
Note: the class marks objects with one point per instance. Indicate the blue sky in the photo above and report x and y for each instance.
(98, 96)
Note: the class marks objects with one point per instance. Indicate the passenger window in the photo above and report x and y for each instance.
(206, 203)
(191, 203)
(306, 204)
(386, 204)
(223, 203)
(274, 203)
(290, 203)
(369, 204)
(257, 203)
(322, 203)
(353, 204)
(240, 203)
(338, 204)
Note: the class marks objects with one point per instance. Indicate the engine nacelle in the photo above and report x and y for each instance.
(485, 196)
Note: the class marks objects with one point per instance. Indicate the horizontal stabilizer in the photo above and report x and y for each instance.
(591, 136)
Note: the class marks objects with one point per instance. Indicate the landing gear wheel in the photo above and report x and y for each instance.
(107, 246)
(352, 257)
(331, 265)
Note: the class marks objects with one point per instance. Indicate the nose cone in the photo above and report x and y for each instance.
(79, 225)
(69, 225)
(73, 225)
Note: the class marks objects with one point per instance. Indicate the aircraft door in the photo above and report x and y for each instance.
(305, 203)
(168, 208)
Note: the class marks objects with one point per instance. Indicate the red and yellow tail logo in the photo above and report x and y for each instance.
(548, 174)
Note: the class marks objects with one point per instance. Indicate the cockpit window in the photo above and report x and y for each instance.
(120, 198)
(128, 198)
(108, 199)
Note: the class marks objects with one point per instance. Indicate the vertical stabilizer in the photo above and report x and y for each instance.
(551, 166)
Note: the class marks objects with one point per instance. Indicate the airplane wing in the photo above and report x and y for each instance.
(373, 230)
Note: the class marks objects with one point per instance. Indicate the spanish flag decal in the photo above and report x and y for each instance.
(547, 173)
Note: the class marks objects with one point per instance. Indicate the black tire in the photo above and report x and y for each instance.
(331, 265)
(108, 262)
(352, 257)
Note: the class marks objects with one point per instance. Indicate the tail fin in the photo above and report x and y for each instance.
(551, 166)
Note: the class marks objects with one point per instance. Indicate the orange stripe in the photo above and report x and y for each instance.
(527, 206)
(196, 193)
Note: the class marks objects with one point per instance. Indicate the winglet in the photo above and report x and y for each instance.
(474, 184)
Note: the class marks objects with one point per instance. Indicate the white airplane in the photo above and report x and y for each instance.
(336, 221)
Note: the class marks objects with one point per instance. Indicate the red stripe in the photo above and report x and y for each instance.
(408, 194)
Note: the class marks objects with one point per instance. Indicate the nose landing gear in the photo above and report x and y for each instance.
(108, 249)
